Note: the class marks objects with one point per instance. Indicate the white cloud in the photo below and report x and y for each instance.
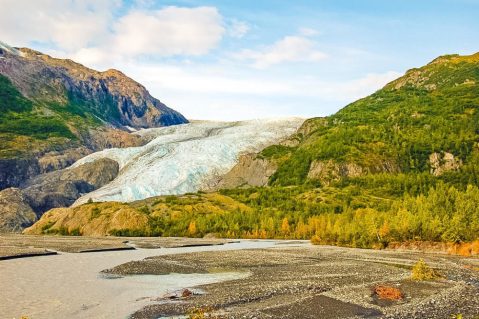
(87, 31)
(308, 32)
(238, 29)
(169, 31)
(68, 25)
(288, 49)
(219, 92)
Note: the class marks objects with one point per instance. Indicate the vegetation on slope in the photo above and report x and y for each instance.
(23, 129)
(431, 109)
(344, 216)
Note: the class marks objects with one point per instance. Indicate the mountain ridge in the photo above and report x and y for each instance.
(55, 111)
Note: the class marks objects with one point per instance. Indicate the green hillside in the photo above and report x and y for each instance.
(430, 109)
(20, 122)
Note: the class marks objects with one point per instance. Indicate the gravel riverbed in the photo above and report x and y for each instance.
(314, 282)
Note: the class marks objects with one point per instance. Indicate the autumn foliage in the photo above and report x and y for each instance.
(388, 292)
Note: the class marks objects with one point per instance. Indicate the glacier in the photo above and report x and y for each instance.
(184, 158)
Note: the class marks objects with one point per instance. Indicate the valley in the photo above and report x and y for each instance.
(114, 205)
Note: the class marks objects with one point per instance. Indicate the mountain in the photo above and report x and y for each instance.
(398, 165)
(55, 111)
(425, 121)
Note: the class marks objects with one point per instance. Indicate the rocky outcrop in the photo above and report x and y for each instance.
(443, 162)
(327, 171)
(61, 188)
(110, 96)
(100, 139)
(251, 170)
(56, 160)
(15, 213)
(14, 171)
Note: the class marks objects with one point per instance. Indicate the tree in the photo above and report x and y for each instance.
(192, 228)
(285, 226)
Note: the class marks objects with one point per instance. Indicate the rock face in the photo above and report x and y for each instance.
(251, 170)
(327, 171)
(443, 162)
(20, 208)
(14, 171)
(111, 96)
(56, 160)
(15, 213)
(63, 187)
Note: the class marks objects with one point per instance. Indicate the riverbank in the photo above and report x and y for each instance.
(316, 282)
(16, 245)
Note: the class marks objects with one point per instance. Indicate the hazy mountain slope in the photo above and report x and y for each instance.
(54, 111)
(185, 158)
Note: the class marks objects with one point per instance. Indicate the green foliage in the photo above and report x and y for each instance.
(17, 117)
(276, 151)
(36, 127)
(95, 213)
(422, 271)
(10, 99)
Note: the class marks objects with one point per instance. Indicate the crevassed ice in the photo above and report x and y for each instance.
(184, 158)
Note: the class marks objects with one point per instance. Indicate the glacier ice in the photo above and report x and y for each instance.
(184, 158)
(10, 49)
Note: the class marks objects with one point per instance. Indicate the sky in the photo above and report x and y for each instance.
(245, 59)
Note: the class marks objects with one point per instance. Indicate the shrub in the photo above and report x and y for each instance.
(316, 240)
(388, 293)
(422, 271)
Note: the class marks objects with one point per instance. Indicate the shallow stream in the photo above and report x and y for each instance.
(70, 285)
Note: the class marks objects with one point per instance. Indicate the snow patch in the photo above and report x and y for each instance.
(184, 158)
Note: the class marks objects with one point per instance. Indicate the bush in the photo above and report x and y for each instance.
(422, 271)
(388, 293)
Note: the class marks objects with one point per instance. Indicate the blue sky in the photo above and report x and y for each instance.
(248, 59)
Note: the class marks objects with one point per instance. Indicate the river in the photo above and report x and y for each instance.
(69, 285)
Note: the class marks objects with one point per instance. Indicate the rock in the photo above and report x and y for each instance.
(56, 160)
(327, 171)
(63, 187)
(100, 139)
(443, 162)
(251, 170)
(15, 213)
(13, 171)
